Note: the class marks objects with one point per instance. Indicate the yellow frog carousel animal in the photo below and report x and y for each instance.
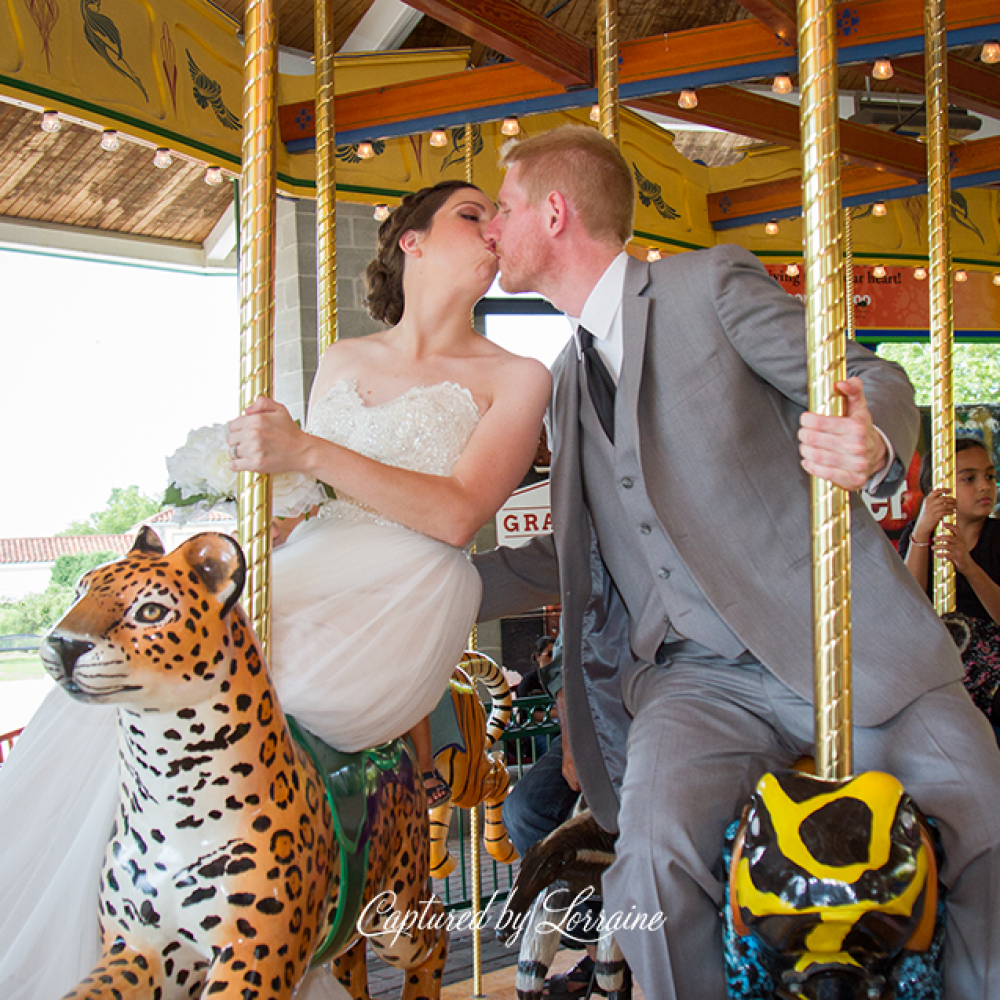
(233, 865)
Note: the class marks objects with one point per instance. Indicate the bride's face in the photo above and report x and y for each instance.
(455, 246)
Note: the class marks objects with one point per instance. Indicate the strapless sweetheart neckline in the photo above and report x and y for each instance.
(351, 384)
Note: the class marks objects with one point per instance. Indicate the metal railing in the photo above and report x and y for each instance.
(525, 739)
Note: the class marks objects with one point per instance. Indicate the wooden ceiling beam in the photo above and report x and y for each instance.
(779, 16)
(759, 117)
(975, 163)
(519, 34)
(970, 86)
(701, 57)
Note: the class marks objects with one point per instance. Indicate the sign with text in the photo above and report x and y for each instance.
(898, 301)
(527, 513)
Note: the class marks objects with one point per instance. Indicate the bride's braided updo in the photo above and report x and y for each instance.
(384, 275)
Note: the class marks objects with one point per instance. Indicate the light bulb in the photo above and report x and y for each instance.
(50, 121)
(365, 151)
(920, 273)
(510, 126)
(595, 112)
(381, 213)
(439, 137)
(996, 278)
(110, 140)
(782, 84)
(990, 53)
(162, 158)
(653, 254)
(961, 275)
(688, 99)
(879, 209)
(882, 70)
(792, 270)
(878, 271)
(213, 176)
(771, 228)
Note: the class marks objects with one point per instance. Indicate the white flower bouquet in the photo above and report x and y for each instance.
(202, 477)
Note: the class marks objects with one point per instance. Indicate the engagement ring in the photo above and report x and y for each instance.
(233, 452)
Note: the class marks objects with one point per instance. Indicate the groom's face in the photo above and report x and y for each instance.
(517, 234)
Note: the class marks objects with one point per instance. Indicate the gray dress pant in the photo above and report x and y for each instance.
(705, 729)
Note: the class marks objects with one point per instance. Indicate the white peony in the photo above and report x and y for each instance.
(219, 473)
(188, 466)
(293, 493)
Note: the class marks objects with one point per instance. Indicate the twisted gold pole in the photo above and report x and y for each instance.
(849, 272)
(326, 177)
(607, 68)
(474, 852)
(257, 217)
(939, 283)
(825, 332)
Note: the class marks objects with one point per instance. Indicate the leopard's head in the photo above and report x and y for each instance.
(151, 631)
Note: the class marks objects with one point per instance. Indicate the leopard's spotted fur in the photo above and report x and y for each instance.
(221, 875)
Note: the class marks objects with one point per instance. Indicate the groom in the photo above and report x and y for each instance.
(681, 553)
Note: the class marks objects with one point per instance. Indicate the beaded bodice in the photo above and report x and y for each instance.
(425, 429)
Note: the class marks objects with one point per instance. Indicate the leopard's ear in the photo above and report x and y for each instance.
(219, 561)
(148, 542)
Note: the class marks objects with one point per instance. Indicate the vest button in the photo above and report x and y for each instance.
(627, 482)
(645, 529)
(663, 573)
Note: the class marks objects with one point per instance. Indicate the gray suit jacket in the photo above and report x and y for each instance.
(712, 385)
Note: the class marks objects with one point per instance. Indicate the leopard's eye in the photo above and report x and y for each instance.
(150, 613)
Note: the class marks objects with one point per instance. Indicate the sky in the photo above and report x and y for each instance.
(106, 369)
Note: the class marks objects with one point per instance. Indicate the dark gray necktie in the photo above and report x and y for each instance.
(600, 383)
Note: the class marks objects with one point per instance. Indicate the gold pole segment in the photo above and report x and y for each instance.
(474, 851)
(826, 345)
(607, 68)
(326, 177)
(849, 273)
(257, 217)
(941, 325)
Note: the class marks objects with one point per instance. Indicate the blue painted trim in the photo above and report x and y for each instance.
(645, 88)
(852, 201)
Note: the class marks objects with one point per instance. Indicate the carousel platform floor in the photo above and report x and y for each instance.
(499, 969)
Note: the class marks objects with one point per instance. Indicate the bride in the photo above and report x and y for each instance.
(423, 430)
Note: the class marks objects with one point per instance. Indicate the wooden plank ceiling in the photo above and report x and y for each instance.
(67, 179)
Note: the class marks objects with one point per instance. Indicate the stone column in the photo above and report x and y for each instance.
(295, 354)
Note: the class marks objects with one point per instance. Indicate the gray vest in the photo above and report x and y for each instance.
(663, 599)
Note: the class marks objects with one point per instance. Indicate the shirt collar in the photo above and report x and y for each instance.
(604, 301)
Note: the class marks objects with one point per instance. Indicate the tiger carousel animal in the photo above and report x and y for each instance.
(475, 776)
(231, 866)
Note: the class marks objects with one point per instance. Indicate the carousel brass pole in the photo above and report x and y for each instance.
(849, 272)
(474, 853)
(941, 319)
(826, 343)
(607, 68)
(257, 218)
(326, 177)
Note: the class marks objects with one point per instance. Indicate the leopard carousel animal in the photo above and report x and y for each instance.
(227, 872)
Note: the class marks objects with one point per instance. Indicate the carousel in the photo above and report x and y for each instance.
(838, 142)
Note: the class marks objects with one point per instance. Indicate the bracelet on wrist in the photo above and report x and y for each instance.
(920, 545)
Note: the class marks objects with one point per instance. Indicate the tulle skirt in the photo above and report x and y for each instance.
(369, 620)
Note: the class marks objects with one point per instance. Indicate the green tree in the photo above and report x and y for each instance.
(975, 370)
(69, 568)
(125, 509)
(36, 613)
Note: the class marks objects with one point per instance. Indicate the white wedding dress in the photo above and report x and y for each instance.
(368, 621)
